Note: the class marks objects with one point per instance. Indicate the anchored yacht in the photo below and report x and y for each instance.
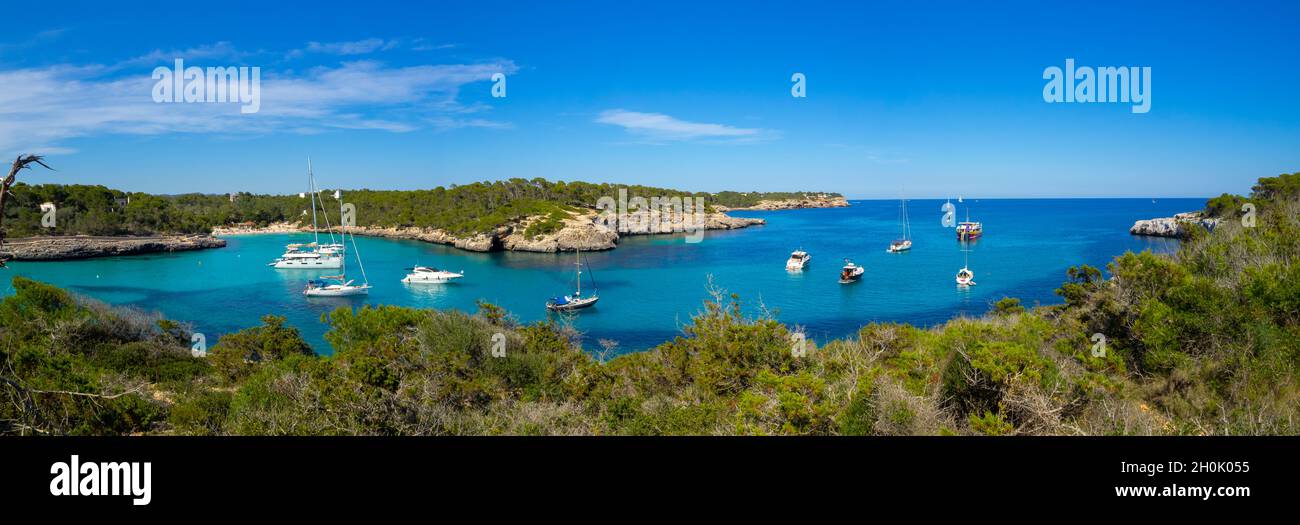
(798, 261)
(851, 273)
(430, 275)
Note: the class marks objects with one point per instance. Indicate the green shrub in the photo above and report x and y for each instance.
(1008, 306)
(975, 381)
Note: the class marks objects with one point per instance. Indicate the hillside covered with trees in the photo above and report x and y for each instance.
(1205, 341)
(468, 209)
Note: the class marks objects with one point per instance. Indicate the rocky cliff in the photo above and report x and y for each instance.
(1175, 226)
(83, 247)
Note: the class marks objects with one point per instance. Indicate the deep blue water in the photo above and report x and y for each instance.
(650, 286)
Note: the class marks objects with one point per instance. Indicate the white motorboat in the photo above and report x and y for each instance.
(851, 273)
(575, 301)
(430, 275)
(798, 261)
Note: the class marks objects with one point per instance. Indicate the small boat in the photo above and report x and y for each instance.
(851, 272)
(798, 261)
(575, 301)
(965, 277)
(969, 230)
(904, 242)
(570, 302)
(430, 275)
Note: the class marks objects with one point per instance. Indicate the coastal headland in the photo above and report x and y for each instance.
(580, 229)
(511, 215)
(56, 248)
(1174, 227)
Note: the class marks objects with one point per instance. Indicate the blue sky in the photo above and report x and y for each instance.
(936, 99)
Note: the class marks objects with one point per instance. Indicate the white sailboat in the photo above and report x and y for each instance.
(903, 243)
(575, 301)
(313, 255)
(339, 285)
(965, 277)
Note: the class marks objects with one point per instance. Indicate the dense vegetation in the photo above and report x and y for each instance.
(1229, 205)
(1206, 341)
(734, 199)
(473, 208)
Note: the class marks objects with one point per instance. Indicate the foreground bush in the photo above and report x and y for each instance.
(1203, 342)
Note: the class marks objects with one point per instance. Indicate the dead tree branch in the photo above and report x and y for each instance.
(20, 163)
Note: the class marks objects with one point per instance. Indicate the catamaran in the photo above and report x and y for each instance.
(798, 261)
(430, 275)
(339, 285)
(903, 243)
(851, 273)
(575, 301)
(313, 255)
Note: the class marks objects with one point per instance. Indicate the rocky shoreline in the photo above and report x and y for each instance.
(582, 230)
(818, 201)
(251, 229)
(85, 247)
(1174, 227)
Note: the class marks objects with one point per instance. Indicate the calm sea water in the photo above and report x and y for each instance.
(651, 286)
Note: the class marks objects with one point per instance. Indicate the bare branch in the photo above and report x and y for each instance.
(21, 163)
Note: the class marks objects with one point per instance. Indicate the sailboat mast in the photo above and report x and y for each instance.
(577, 255)
(907, 227)
(907, 221)
(345, 233)
(311, 186)
(329, 228)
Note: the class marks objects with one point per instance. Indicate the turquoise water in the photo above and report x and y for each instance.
(651, 286)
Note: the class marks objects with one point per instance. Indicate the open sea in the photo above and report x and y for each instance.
(650, 286)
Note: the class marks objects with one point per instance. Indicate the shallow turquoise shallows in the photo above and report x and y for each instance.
(651, 286)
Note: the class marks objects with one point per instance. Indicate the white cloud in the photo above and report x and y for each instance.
(658, 127)
(158, 57)
(423, 44)
(357, 47)
(39, 39)
(44, 107)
